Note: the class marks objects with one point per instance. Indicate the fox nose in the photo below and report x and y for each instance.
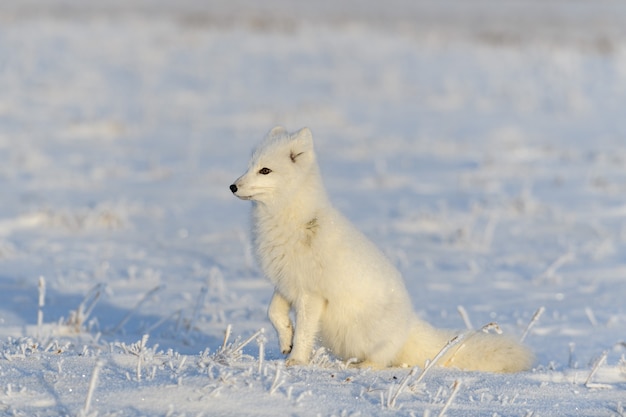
(233, 188)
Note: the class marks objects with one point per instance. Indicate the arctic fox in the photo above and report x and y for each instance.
(342, 289)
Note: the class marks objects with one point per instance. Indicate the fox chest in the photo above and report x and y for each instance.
(291, 257)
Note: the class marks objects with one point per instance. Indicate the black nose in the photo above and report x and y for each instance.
(233, 188)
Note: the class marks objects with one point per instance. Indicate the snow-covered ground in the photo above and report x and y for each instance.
(482, 147)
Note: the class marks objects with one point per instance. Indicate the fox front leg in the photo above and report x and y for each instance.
(278, 313)
(309, 311)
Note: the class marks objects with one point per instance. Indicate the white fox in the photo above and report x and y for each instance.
(342, 289)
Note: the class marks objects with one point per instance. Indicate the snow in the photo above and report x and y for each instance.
(482, 148)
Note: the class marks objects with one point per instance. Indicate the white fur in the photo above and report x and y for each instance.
(341, 288)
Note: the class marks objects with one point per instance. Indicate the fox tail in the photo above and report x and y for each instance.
(472, 350)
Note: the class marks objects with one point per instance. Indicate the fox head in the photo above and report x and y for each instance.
(281, 166)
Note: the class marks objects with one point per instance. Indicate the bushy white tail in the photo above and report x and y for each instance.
(476, 351)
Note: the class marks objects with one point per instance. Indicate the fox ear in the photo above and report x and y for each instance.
(277, 131)
(303, 135)
(302, 142)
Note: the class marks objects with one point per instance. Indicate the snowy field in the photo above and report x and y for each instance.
(481, 145)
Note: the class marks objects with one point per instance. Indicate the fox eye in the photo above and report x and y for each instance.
(264, 171)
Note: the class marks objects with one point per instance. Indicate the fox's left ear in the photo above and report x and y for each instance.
(301, 144)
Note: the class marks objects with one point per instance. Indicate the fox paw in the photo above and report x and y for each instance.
(294, 362)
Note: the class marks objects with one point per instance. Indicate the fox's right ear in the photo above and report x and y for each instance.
(301, 143)
(303, 135)
(302, 140)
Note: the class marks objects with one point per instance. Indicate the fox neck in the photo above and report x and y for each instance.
(297, 207)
